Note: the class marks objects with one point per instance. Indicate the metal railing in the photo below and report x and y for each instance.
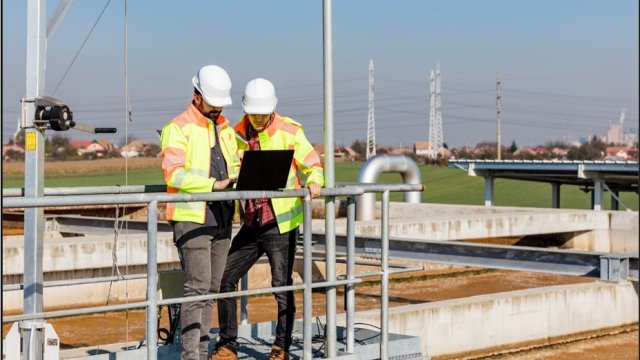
(123, 195)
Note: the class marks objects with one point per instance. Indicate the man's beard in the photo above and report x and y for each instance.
(214, 115)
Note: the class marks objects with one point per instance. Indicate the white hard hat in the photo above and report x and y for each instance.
(214, 85)
(259, 97)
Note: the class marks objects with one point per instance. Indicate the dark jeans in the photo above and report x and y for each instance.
(246, 248)
(203, 253)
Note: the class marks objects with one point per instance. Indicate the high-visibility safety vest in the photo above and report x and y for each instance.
(186, 159)
(284, 133)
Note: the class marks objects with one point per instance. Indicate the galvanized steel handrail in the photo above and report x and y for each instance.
(9, 193)
(25, 202)
(152, 200)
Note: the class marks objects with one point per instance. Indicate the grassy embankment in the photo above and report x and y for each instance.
(443, 185)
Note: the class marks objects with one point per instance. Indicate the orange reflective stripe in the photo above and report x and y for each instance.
(290, 128)
(171, 209)
(312, 159)
(172, 158)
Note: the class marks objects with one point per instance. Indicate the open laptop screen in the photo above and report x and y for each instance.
(264, 169)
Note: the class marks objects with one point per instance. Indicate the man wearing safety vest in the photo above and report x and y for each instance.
(199, 155)
(269, 225)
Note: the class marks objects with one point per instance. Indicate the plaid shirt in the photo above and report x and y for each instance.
(257, 212)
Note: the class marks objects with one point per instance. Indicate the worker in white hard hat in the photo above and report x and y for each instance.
(199, 154)
(270, 226)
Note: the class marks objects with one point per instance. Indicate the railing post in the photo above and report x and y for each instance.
(384, 286)
(308, 279)
(350, 288)
(244, 313)
(152, 280)
(330, 271)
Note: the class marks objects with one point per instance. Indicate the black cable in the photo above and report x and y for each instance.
(81, 46)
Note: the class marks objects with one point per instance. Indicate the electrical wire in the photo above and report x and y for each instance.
(81, 46)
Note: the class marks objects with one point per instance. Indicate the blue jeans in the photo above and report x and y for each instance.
(203, 253)
(246, 248)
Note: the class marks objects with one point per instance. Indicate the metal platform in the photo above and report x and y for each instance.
(255, 343)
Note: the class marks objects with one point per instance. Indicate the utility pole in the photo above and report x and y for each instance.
(371, 120)
(33, 330)
(498, 96)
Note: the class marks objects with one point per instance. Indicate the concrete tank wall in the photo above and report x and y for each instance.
(498, 320)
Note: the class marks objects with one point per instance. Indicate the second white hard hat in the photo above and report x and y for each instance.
(214, 85)
(259, 97)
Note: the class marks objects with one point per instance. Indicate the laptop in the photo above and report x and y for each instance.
(264, 169)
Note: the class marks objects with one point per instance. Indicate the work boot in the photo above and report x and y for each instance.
(278, 353)
(224, 353)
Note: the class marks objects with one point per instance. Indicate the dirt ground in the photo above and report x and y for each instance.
(130, 326)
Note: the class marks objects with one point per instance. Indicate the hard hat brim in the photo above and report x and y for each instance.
(259, 109)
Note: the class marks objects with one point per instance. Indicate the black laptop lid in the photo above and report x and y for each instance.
(264, 169)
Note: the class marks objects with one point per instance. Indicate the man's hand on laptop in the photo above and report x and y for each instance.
(220, 184)
(314, 189)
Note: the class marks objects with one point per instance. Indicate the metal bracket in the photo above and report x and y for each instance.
(614, 267)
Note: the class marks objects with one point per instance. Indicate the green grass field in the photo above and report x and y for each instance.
(443, 186)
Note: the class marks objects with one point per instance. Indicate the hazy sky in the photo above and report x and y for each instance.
(567, 67)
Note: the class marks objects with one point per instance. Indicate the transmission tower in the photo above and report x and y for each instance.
(439, 134)
(371, 122)
(432, 114)
(435, 115)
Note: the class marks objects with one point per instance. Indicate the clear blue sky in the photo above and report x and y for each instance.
(567, 67)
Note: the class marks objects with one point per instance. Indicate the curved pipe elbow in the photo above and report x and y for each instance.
(371, 170)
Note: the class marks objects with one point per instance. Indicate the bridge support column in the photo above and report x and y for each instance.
(488, 191)
(555, 195)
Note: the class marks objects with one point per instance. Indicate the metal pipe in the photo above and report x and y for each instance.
(384, 282)
(33, 337)
(84, 281)
(91, 190)
(120, 307)
(307, 301)
(161, 188)
(95, 280)
(24, 202)
(372, 168)
(350, 289)
(330, 272)
(244, 313)
(329, 179)
(152, 281)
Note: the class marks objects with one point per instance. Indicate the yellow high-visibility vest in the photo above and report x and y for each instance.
(186, 159)
(284, 133)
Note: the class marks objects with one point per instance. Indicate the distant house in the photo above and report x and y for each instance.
(106, 144)
(524, 151)
(338, 152)
(559, 152)
(539, 150)
(11, 148)
(92, 148)
(351, 154)
(618, 152)
(80, 144)
(421, 148)
(401, 150)
(135, 148)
